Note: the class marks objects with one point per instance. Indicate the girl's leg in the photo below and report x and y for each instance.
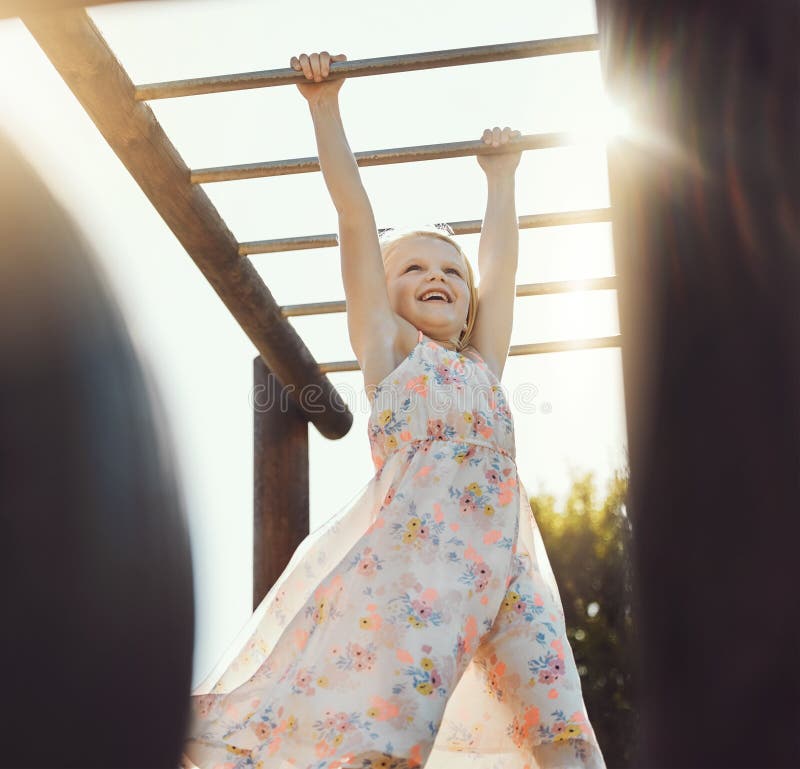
(531, 671)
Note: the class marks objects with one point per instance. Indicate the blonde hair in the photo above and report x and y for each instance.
(390, 237)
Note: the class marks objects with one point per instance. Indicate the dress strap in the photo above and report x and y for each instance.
(419, 337)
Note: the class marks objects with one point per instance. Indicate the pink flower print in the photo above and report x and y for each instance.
(435, 428)
(389, 496)
(330, 720)
(358, 651)
(422, 608)
(262, 730)
(436, 679)
(425, 448)
(493, 477)
(204, 704)
(479, 422)
(366, 566)
(418, 384)
(445, 374)
(343, 723)
(546, 676)
(467, 504)
(558, 727)
(423, 532)
(303, 678)
(519, 607)
(556, 665)
(482, 575)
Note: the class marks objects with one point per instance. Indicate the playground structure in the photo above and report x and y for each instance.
(119, 109)
(705, 200)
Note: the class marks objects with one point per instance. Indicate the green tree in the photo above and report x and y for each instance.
(588, 543)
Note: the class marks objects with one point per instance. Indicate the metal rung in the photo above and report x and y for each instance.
(466, 227)
(381, 65)
(523, 289)
(537, 348)
(381, 157)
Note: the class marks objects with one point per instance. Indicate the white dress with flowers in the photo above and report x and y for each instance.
(419, 627)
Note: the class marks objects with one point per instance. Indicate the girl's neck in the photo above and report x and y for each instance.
(448, 344)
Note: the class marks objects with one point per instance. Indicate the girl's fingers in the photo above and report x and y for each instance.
(495, 136)
(487, 135)
(316, 66)
(305, 64)
(315, 71)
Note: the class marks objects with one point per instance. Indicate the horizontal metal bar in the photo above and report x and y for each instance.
(523, 289)
(465, 227)
(382, 157)
(381, 65)
(536, 348)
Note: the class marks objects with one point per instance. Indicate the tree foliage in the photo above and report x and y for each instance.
(588, 544)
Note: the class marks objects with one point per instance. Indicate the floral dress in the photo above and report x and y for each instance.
(421, 626)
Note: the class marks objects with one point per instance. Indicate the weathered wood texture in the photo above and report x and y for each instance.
(706, 202)
(81, 55)
(281, 482)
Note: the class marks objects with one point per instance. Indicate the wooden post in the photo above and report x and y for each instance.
(280, 479)
(705, 195)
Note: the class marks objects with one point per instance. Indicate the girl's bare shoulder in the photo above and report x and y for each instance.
(386, 352)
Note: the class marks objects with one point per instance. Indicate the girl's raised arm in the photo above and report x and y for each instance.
(371, 321)
(498, 252)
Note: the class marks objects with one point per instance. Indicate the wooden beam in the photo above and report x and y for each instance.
(280, 481)
(83, 58)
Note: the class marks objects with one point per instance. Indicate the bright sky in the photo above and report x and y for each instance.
(568, 407)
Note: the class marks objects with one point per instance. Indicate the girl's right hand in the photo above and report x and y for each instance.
(316, 68)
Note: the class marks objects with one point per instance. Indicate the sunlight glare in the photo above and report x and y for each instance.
(602, 121)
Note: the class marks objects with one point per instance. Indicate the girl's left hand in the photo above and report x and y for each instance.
(506, 162)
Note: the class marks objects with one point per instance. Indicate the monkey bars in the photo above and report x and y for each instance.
(83, 58)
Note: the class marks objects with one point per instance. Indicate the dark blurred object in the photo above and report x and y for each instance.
(705, 194)
(588, 543)
(97, 596)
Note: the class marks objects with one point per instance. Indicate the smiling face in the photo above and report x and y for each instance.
(416, 267)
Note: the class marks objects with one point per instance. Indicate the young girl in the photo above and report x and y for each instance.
(422, 626)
